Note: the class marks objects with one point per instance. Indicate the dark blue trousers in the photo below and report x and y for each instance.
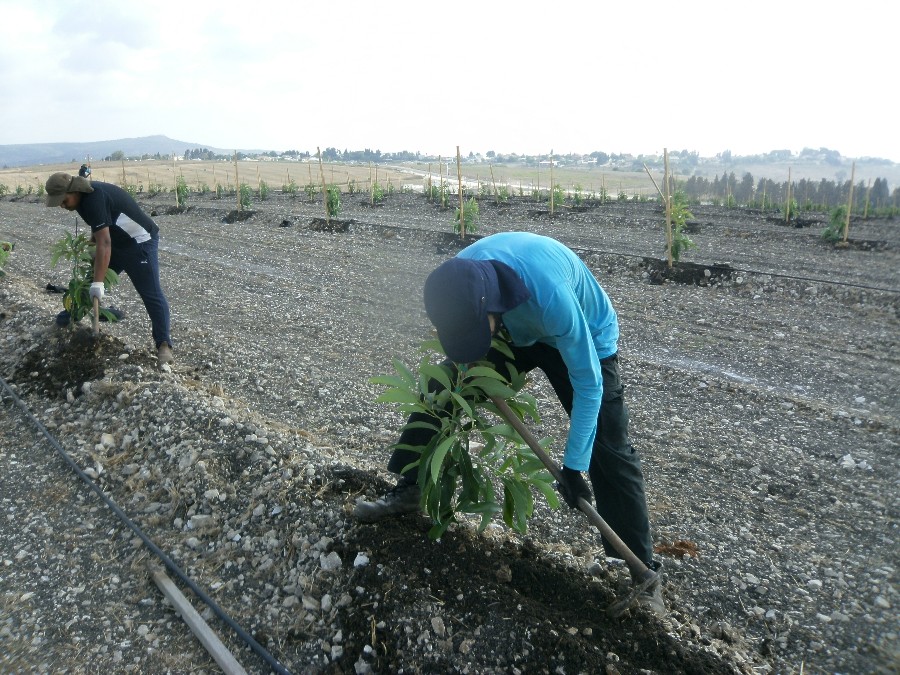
(141, 263)
(615, 469)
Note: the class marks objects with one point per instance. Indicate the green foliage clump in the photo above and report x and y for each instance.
(352, 186)
(245, 196)
(181, 190)
(834, 232)
(333, 201)
(559, 195)
(311, 190)
(577, 195)
(4, 189)
(603, 195)
(290, 188)
(5, 251)
(77, 298)
(471, 453)
(263, 191)
(680, 214)
(470, 215)
(377, 193)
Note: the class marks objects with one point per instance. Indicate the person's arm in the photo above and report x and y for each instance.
(576, 346)
(102, 253)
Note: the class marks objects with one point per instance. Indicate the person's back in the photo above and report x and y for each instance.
(107, 205)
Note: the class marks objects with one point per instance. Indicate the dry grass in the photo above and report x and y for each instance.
(276, 174)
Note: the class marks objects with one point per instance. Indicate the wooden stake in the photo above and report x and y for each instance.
(175, 177)
(866, 206)
(849, 204)
(324, 188)
(237, 183)
(462, 211)
(551, 183)
(195, 622)
(787, 204)
(668, 208)
(494, 183)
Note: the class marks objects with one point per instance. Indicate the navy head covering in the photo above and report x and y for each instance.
(460, 294)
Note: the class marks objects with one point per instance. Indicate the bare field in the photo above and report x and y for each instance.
(763, 401)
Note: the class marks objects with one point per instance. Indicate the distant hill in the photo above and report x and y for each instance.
(29, 154)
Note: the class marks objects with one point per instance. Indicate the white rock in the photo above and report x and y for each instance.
(330, 562)
(361, 560)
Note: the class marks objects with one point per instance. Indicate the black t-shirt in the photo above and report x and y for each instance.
(110, 206)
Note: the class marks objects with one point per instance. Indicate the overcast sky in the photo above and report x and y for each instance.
(521, 76)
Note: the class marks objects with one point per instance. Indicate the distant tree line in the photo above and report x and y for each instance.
(367, 155)
(821, 195)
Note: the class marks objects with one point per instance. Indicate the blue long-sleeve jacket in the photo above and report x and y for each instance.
(567, 310)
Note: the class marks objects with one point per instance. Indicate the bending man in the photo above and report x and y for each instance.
(126, 240)
(560, 320)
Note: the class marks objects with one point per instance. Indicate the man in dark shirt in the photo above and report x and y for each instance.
(126, 240)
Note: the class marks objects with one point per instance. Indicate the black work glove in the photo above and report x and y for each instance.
(571, 486)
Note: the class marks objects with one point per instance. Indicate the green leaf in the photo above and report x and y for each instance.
(463, 403)
(397, 396)
(492, 387)
(484, 371)
(437, 459)
(389, 381)
(436, 372)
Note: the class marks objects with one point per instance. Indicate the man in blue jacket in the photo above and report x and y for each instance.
(126, 240)
(560, 320)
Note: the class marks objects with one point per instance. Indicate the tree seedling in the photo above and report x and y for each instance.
(474, 464)
(77, 299)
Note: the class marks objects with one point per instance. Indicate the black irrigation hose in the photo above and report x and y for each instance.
(584, 250)
(169, 563)
(746, 271)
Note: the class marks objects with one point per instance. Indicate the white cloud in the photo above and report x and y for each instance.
(506, 76)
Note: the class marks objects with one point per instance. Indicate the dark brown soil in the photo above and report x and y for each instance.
(521, 605)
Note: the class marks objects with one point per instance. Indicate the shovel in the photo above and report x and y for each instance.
(96, 315)
(644, 577)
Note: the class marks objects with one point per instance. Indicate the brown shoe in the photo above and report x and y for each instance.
(164, 354)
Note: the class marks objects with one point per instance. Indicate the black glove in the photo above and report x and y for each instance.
(571, 486)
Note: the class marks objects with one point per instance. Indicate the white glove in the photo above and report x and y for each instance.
(97, 290)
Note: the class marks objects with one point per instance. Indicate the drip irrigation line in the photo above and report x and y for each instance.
(748, 271)
(583, 250)
(167, 561)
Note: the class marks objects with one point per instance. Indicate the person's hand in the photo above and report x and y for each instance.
(97, 290)
(571, 486)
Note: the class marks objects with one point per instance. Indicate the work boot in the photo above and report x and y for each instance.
(652, 599)
(403, 498)
(63, 318)
(164, 354)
